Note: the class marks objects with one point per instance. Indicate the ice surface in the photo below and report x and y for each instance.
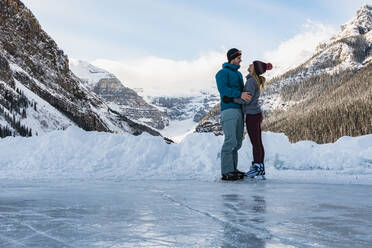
(155, 213)
(94, 189)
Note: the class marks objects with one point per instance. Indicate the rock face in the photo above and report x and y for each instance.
(211, 122)
(39, 92)
(124, 100)
(300, 92)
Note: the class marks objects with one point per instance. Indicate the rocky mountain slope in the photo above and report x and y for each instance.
(39, 93)
(349, 49)
(210, 122)
(120, 98)
(182, 108)
(335, 67)
(328, 107)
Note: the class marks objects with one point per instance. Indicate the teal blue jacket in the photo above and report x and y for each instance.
(229, 83)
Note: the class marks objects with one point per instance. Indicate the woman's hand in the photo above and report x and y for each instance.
(246, 96)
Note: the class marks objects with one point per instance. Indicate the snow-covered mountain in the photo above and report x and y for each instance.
(361, 24)
(39, 93)
(186, 107)
(120, 98)
(335, 63)
(183, 112)
(177, 114)
(349, 49)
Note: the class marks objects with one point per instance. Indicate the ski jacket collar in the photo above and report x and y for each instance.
(231, 66)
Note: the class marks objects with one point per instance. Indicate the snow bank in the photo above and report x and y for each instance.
(77, 154)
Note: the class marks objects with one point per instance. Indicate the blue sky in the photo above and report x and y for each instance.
(117, 29)
(168, 45)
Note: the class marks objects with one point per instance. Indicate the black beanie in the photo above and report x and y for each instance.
(232, 54)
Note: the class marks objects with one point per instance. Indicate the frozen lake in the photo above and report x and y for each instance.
(184, 214)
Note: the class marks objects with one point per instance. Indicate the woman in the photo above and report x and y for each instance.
(253, 114)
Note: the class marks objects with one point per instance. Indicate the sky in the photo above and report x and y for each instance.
(177, 46)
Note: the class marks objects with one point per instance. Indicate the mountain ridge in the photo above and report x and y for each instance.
(123, 99)
(349, 50)
(31, 58)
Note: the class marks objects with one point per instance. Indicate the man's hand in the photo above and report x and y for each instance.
(245, 96)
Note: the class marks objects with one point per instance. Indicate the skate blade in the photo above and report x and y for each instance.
(254, 175)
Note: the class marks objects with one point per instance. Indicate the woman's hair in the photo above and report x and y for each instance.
(261, 81)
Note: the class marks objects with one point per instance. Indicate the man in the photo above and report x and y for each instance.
(230, 84)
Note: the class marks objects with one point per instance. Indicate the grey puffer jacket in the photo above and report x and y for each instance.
(251, 107)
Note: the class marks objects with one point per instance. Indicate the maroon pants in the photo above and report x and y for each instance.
(254, 131)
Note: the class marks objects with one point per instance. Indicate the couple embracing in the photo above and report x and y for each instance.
(239, 100)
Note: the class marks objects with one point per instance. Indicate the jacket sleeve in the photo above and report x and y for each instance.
(223, 88)
(239, 101)
(248, 87)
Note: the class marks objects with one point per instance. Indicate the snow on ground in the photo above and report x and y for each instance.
(77, 154)
(178, 130)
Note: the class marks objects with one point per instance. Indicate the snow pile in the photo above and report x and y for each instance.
(179, 129)
(77, 154)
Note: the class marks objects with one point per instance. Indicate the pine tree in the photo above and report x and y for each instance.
(329, 107)
(24, 115)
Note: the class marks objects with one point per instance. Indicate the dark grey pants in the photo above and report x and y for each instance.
(232, 123)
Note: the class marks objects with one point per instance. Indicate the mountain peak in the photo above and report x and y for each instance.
(360, 24)
(88, 72)
(365, 8)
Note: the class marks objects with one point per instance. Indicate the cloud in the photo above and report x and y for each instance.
(298, 49)
(167, 77)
